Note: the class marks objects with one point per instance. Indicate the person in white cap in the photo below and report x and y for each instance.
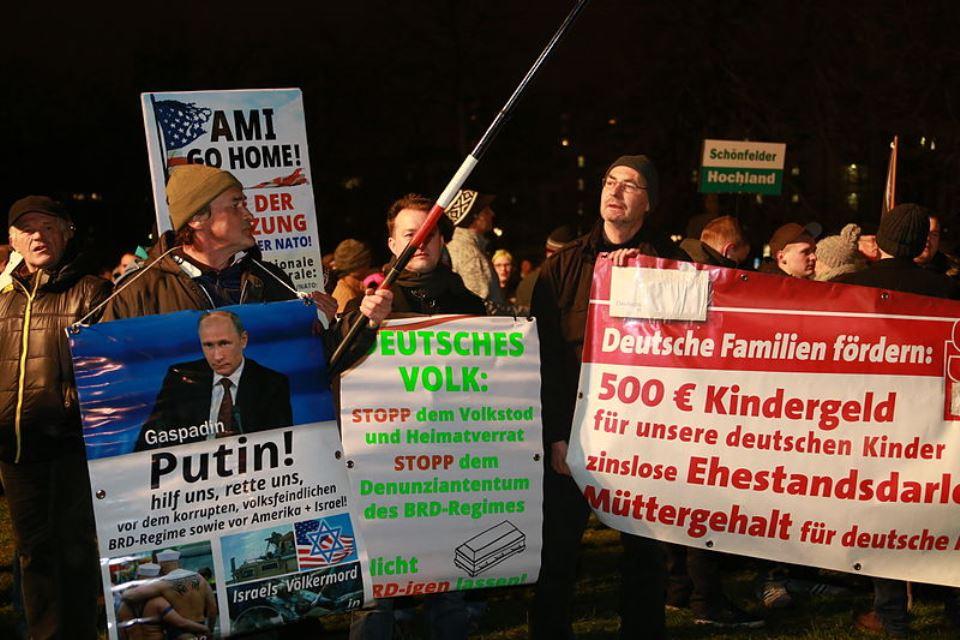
(148, 570)
(186, 592)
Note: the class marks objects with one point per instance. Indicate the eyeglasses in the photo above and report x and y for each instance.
(629, 186)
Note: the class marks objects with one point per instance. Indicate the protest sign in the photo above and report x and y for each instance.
(211, 443)
(261, 138)
(735, 166)
(807, 422)
(442, 432)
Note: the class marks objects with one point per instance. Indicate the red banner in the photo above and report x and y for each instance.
(799, 421)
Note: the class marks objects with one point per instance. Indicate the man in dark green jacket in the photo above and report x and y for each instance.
(211, 260)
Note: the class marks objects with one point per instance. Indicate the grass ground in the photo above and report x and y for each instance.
(595, 608)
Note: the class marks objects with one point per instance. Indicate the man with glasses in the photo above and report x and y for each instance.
(560, 302)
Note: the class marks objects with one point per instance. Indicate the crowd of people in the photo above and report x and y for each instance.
(210, 259)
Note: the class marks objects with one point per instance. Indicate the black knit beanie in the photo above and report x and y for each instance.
(643, 166)
(903, 231)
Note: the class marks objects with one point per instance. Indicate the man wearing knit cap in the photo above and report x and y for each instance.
(630, 191)
(901, 237)
(472, 217)
(793, 249)
(211, 259)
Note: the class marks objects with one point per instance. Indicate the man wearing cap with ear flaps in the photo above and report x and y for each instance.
(630, 190)
(42, 461)
(472, 217)
(211, 260)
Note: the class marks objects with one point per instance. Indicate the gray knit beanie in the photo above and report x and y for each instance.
(839, 254)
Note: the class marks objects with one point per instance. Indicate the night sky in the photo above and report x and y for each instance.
(397, 92)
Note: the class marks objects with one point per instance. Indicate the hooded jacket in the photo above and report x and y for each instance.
(39, 416)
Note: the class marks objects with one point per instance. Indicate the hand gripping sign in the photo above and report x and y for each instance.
(808, 422)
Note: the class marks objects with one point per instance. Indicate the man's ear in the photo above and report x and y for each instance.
(728, 248)
(244, 338)
(779, 256)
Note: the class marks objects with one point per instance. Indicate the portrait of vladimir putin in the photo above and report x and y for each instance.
(223, 394)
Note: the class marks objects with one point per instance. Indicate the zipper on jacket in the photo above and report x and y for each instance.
(24, 344)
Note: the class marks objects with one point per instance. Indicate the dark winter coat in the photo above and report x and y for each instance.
(904, 275)
(561, 298)
(39, 416)
(166, 287)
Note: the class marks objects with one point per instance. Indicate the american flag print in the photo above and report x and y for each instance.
(325, 542)
(181, 122)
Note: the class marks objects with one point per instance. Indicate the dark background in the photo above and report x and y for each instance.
(396, 93)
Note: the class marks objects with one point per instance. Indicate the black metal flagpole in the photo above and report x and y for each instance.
(460, 177)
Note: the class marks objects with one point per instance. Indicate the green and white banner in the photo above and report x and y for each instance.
(442, 433)
(734, 166)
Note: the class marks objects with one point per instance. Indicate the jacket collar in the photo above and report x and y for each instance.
(6, 278)
(597, 242)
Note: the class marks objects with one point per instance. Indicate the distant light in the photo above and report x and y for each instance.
(612, 122)
(923, 141)
(759, 199)
(581, 162)
(853, 200)
(676, 237)
(795, 171)
(580, 184)
(95, 196)
(497, 231)
(853, 167)
(564, 142)
(933, 144)
(353, 182)
(795, 198)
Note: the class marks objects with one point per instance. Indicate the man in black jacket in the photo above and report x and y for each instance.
(426, 286)
(560, 303)
(902, 237)
(222, 394)
(42, 462)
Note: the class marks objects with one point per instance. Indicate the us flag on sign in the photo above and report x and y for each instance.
(181, 122)
(325, 542)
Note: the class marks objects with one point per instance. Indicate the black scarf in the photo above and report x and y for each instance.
(428, 288)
